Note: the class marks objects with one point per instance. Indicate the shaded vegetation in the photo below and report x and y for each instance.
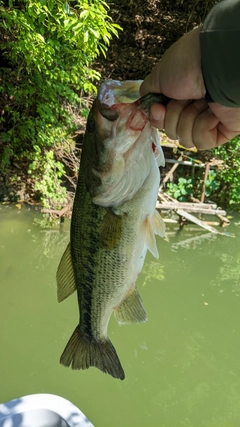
(47, 48)
(229, 175)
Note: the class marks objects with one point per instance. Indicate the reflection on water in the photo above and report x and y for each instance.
(182, 366)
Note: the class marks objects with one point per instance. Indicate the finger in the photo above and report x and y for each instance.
(174, 110)
(229, 122)
(187, 120)
(225, 134)
(147, 86)
(157, 115)
(209, 132)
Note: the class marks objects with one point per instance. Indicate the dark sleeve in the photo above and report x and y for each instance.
(220, 53)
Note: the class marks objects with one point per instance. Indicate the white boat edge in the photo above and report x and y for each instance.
(47, 402)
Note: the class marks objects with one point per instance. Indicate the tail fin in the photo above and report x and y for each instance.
(81, 353)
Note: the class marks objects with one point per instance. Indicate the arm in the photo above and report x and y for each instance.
(189, 117)
(220, 53)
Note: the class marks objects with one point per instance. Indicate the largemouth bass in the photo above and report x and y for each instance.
(114, 222)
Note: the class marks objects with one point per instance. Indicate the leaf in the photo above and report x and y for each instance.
(84, 13)
(85, 37)
(66, 8)
(95, 33)
(182, 180)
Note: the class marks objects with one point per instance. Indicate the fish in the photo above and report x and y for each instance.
(114, 222)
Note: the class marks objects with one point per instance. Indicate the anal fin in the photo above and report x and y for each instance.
(65, 276)
(131, 309)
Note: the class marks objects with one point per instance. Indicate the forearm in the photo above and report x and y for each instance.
(220, 53)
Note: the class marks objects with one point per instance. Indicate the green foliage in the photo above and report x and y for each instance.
(187, 186)
(57, 39)
(222, 184)
(212, 183)
(50, 170)
(181, 190)
(229, 174)
(49, 46)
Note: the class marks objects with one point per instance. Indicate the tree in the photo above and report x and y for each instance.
(47, 48)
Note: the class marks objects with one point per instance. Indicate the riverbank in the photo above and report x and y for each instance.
(148, 29)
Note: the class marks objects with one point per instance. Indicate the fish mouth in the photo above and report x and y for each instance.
(113, 94)
(108, 112)
(115, 91)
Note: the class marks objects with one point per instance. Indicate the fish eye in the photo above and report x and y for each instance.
(91, 125)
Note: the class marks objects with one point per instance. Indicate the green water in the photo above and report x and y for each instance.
(182, 367)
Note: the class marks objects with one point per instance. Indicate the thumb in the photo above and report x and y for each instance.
(148, 86)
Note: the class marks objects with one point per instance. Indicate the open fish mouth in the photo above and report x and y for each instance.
(113, 94)
(114, 91)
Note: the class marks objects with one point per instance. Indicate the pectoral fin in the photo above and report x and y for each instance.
(131, 309)
(150, 238)
(65, 276)
(158, 224)
(154, 225)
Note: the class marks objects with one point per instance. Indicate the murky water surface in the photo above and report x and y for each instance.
(182, 367)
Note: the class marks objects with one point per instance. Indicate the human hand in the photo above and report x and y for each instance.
(188, 117)
(197, 123)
